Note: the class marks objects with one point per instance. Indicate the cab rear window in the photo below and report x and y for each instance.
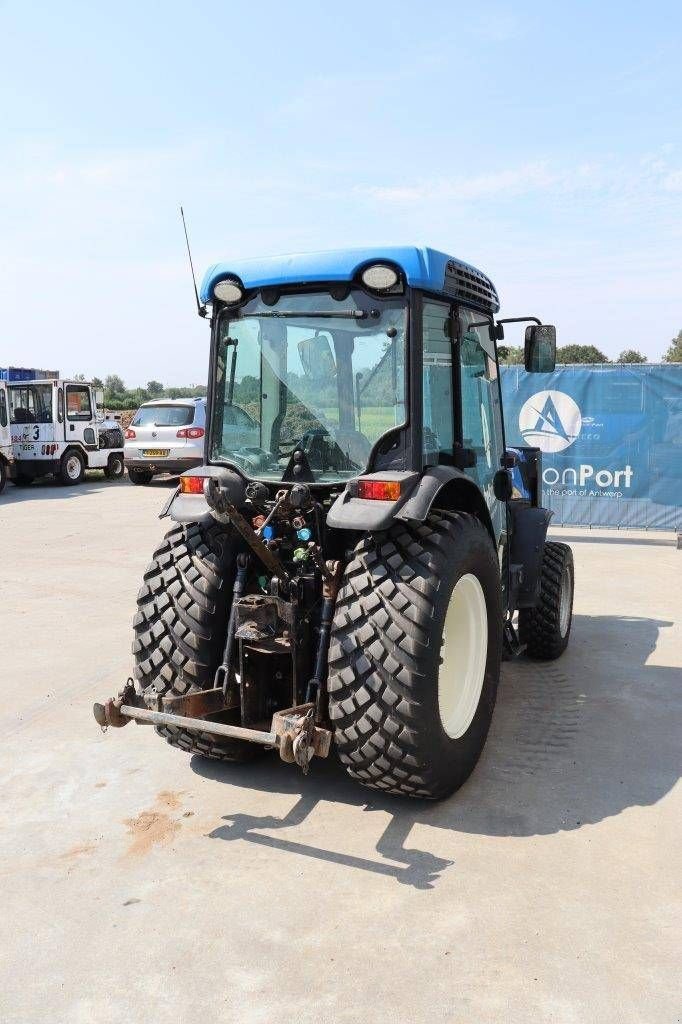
(164, 416)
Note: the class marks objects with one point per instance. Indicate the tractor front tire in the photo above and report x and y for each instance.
(545, 629)
(414, 659)
(182, 612)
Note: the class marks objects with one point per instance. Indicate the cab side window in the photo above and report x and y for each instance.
(21, 405)
(78, 405)
(437, 394)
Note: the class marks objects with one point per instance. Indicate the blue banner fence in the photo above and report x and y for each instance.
(611, 441)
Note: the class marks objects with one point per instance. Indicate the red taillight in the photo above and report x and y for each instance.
(192, 432)
(130, 434)
(379, 490)
(192, 484)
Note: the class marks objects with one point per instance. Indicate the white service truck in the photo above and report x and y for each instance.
(55, 429)
(7, 463)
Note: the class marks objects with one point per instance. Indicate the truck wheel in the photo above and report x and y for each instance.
(545, 629)
(114, 467)
(3, 475)
(71, 468)
(140, 476)
(182, 611)
(414, 658)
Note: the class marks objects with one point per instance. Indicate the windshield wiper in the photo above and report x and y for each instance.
(327, 314)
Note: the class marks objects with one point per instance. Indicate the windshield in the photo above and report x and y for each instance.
(322, 374)
(163, 416)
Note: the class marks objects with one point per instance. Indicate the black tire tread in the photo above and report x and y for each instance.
(539, 626)
(109, 472)
(140, 477)
(179, 627)
(376, 657)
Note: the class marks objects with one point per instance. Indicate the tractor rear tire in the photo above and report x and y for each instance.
(414, 659)
(546, 628)
(182, 612)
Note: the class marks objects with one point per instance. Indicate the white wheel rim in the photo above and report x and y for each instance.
(73, 467)
(463, 656)
(565, 601)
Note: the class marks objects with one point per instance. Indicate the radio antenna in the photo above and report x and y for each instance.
(201, 310)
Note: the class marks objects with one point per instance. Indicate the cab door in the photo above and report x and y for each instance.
(79, 417)
(482, 429)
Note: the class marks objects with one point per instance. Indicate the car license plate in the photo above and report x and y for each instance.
(155, 453)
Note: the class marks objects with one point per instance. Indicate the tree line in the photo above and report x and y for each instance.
(118, 396)
(513, 354)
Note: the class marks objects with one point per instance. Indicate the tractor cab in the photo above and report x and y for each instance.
(333, 368)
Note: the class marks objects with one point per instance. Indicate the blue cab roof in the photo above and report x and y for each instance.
(423, 268)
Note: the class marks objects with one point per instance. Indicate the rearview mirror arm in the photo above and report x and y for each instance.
(499, 333)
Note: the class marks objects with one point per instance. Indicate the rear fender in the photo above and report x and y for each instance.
(448, 489)
(442, 487)
(193, 508)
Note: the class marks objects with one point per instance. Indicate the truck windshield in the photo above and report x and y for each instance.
(313, 372)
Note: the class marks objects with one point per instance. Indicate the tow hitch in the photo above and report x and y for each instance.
(293, 731)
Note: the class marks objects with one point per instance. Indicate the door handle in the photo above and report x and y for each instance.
(72, 426)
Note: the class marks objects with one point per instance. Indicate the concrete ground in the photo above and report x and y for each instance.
(140, 884)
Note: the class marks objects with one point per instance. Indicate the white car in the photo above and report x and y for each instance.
(165, 436)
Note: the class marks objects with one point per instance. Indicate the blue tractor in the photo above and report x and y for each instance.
(359, 550)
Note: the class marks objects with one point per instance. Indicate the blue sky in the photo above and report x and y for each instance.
(541, 142)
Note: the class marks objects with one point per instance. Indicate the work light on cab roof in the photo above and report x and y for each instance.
(379, 277)
(228, 291)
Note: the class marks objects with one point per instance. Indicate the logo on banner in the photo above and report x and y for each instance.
(550, 421)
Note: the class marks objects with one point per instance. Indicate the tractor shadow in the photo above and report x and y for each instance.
(572, 743)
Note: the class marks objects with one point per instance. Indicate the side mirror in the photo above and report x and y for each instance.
(503, 486)
(99, 397)
(317, 358)
(539, 350)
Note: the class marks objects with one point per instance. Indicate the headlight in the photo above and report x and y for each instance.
(228, 291)
(379, 277)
